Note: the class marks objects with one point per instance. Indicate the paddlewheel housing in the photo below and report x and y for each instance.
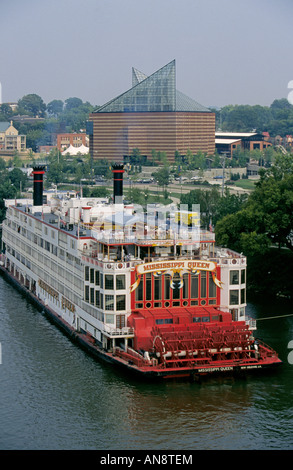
(202, 344)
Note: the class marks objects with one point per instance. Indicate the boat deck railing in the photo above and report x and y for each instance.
(119, 332)
(251, 322)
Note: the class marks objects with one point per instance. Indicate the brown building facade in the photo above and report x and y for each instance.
(152, 115)
(74, 139)
(115, 135)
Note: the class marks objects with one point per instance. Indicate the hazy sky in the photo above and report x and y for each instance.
(226, 51)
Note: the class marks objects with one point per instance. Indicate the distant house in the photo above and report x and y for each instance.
(227, 146)
(246, 140)
(10, 140)
(64, 141)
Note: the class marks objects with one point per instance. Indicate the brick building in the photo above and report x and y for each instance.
(152, 115)
(76, 140)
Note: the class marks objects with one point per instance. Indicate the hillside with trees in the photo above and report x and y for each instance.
(71, 115)
(276, 119)
(52, 118)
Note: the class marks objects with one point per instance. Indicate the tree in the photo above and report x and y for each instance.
(33, 105)
(5, 111)
(55, 107)
(162, 176)
(72, 103)
(18, 178)
(267, 218)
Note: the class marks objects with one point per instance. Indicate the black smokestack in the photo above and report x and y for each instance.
(117, 170)
(38, 172)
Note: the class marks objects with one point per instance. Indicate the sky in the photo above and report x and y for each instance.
(226, 51)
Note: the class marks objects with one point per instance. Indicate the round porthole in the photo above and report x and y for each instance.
(202, 302)
(185, 303)
(148, 305)
(167, 304)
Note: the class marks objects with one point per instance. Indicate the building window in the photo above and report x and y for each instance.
(120, 302)
(242, 276)
(109, 281)
(97, 274)
(242, 293)
(234, 277)
(86, 273)
(92, 275)
(234, 297)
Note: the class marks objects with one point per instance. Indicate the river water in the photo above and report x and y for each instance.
(54, 396)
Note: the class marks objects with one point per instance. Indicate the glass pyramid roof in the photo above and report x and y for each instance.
(154, 93)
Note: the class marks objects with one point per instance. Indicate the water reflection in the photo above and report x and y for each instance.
(54, 396)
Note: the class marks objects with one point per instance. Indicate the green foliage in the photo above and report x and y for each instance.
(213, 207)
(10, 186)
(55, 107)
(33, 105)
(162, 176)
(267, 217)
(276, 119)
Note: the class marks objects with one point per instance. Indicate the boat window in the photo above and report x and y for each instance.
(234, 277)
(201, 319)
(212, 287)
(158, 288)
(234, 297)
(162, 321)
(120, 302)
(109, 302)
(148, 280)
(185, 286)
(139, 290)
(109, 281)
(92, 290)
(194, 286)
(110, 319)
(203, 284)
(87, 293)
(120, 281)
(97, 278)
(196, 319)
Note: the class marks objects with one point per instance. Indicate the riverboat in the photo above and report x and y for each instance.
(143, 288)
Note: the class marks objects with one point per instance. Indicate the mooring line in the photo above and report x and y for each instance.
(272, 318)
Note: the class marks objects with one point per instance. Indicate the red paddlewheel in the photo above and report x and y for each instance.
(201, 344)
